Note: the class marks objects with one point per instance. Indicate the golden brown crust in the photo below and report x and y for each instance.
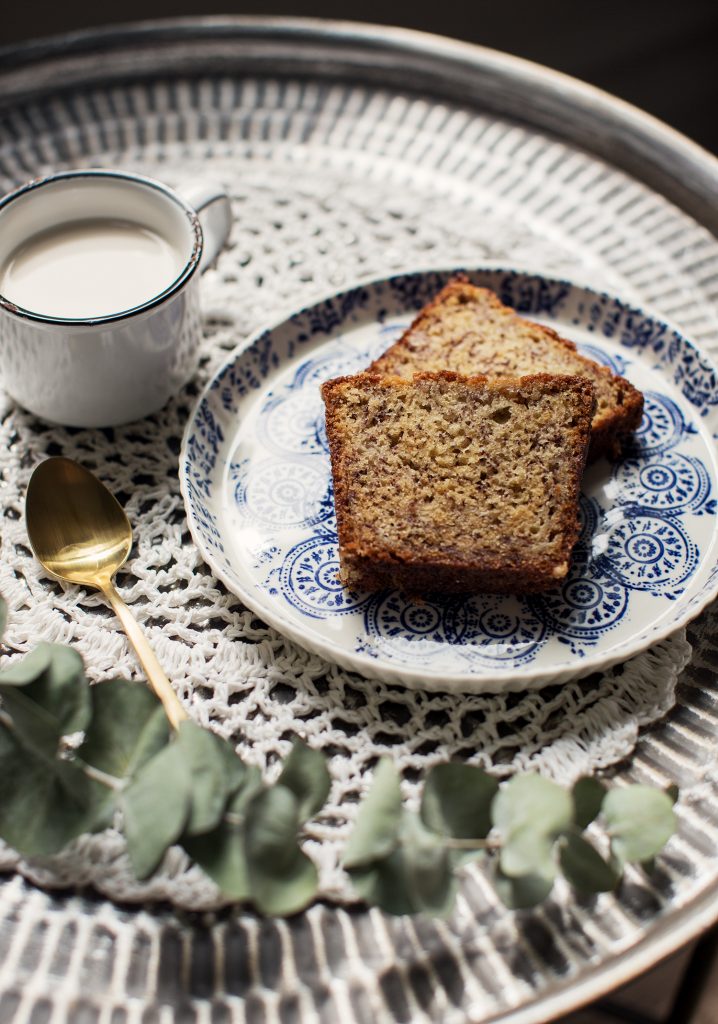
(488, 337)
(468, 544)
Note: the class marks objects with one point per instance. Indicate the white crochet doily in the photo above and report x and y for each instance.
(309, 221)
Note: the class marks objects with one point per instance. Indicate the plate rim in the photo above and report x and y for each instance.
(430, 680)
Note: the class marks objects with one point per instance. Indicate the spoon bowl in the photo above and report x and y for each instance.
(80, 534)
(77, 529)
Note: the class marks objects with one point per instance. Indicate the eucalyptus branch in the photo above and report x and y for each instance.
(492, 844)
(193, 790)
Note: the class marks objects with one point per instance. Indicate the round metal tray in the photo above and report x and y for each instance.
(602, 184)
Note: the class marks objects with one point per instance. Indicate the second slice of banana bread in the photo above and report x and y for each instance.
(469, 330)
(451, 484)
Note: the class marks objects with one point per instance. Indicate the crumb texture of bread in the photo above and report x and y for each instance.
(448, 484)
(470, 331)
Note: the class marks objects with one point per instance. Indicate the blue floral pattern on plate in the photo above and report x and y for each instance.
(256, 478)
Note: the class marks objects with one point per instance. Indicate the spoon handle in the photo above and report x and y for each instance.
(155, 676)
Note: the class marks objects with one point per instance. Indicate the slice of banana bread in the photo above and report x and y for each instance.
(452, 484)
(469, 330)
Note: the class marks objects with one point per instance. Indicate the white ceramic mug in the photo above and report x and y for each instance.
(103, 370)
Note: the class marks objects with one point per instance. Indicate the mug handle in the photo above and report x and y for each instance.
(212, 206)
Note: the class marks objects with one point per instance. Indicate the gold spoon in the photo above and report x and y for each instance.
(80, 534)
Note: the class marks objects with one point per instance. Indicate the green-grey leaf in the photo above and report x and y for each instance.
(527, 851)
(3, 616)
(428, 866)
(54, 677)
(584, 867)
(376, 829)
(530, 812)
(415, 877)
(154, 736)
(640, 820)
(457, 800)
(288, 893)
(305, 773)
(272, 822)
(63, 689)
(235, 770)
(383, 885)
(283, 880)
(206, 763)
(220, 853)
(588, 794)
(46, 803)
(251, 785)
(522, 893)
(34, 728)
(529, 801)
(128, 727)
(25, 670)
(156, 805)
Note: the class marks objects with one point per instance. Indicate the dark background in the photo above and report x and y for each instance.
(661, 56)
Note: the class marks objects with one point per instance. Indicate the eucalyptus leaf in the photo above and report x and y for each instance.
(34, 727)
(457, 800)
(46, 803)
(283, 880)
(251, 786)
(530, 812)
(127, 728)
(584, 867)
(588, 794)
(287, 893)
(206, 765)
(155, 735)
(305, 773)
(527, 851)
(640, 820)
(272, 822)
(522, 893)
(25, 670)
(220, 854)
(529, 801)
(383, 884)
(156, 805)
(376, 830)
(235, 770)
(3, 616)
(63, 689)
(54, 677)
(417, 876)
(428, 866)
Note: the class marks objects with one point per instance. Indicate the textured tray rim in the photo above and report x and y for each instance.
(612, 129)
(622, 968)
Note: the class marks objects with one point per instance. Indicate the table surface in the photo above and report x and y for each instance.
(397, 150)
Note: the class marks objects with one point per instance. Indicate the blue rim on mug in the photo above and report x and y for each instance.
(139, 179)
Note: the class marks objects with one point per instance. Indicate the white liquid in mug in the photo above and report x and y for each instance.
(89, 268)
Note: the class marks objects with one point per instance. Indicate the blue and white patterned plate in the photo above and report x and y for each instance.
(256, 480)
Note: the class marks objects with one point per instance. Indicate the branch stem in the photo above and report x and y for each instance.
(472, 844)
(111, 781)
